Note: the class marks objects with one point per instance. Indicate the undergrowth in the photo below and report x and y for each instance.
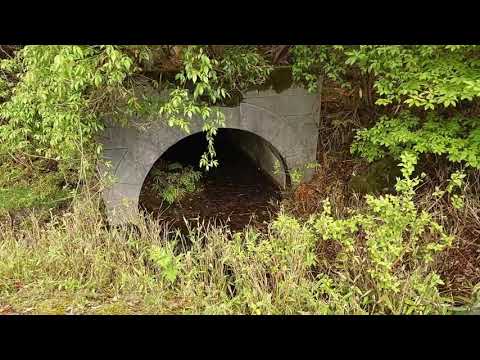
(25, 187)
(74, 264)
(176, 181)
(333, 251)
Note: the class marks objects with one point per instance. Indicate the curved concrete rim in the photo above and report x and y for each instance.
(286, 122)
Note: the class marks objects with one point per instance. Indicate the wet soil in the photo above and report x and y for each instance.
(236, 193)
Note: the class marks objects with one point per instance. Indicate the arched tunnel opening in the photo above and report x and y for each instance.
(244, 189)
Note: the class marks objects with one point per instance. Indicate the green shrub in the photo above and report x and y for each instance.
(386, 257)
(457, 138)
(73, 264)
(175, 182)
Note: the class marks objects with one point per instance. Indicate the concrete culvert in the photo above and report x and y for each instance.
(265, 127)
(244, 189)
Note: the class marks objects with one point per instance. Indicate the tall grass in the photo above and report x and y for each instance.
(75, 263)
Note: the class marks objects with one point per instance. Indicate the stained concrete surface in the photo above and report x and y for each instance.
(287, 123)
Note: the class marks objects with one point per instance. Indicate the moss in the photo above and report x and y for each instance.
(22, 188)
(380, 177)
(234, 100)
(280, 80)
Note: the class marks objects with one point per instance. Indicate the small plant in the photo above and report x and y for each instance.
(454, 186)
(456, 182)
(72, 265)
(176, 182)
(164, 258)
(456, 138)
(387, 251)
(297, 175)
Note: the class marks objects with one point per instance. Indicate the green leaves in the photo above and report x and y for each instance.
(420, 76)
(453, 137)
(53, 111)
(199, 69)
(241, 68)
(176, 182)
(386, 255)
(55, 97)
(312, 61)
(163, 257)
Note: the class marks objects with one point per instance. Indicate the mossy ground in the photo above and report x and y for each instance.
(29, 188)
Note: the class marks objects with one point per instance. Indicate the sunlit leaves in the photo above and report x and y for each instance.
(452, 137)
(420, 76)
(56, 97)
(51, 112)
(310, 62)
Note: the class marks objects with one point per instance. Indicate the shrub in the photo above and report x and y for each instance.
(385, 258)
(175, 182)
(72, 264)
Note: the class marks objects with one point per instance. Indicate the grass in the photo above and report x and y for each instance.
(76, 264)
(18, 198)
(72, 262)
(73, 265)
(24, 187)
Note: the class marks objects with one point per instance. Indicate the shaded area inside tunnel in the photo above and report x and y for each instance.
(244, 189)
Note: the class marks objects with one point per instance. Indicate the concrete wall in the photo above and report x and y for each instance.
(263, 154)
(286, 121)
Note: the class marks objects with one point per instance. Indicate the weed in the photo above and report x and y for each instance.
(175, 182)
(74, 264)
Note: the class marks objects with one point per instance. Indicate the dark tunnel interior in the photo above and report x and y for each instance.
(236, 193)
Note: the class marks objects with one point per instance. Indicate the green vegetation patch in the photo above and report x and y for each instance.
(175, 182)
(23, 188)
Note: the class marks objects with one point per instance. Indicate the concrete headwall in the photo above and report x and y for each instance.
(286, 121)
